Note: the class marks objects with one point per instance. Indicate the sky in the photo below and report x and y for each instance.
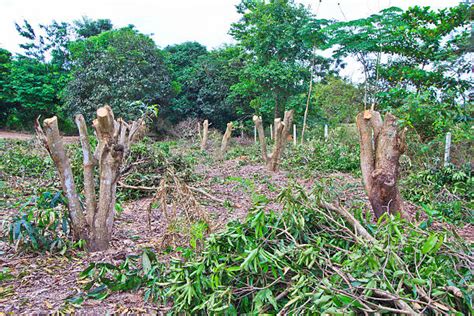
(174, 21)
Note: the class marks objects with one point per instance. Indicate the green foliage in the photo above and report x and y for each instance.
(430, 116)
(31, 85)
(414, 60)
(339, 153)
(43, 225)
(128, 276)
(277, 37)
(33, 89)
(203, 80)
(122, 68)
(18, 159)
(444, 193)
(291, 262)
(336, 101)
(87, 27)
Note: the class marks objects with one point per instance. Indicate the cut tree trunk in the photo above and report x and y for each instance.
(281, 136)
(205, 133)
(261, 136)
(92, 222)
(225, 140)
(381, 145)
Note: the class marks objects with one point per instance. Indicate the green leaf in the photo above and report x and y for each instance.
(146, 263)
(99, 293)
(429, 244)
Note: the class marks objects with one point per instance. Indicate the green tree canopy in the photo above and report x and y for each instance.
(408, 55)
(336, 100)
(87, 27)
(278, 37)
(122, 68)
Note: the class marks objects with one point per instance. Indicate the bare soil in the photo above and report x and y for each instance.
(27, 136)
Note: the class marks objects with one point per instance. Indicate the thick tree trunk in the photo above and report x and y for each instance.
(225, 140)
(205, 132)
(94, 222)
(381, 145)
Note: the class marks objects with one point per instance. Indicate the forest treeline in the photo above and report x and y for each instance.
(415, 64)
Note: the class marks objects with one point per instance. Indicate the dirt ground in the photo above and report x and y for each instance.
(43, 281)
(27, 136)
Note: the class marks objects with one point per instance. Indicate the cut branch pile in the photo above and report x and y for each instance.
(317, 258)
(178, 204)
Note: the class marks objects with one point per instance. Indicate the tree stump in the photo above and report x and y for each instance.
(281, 136)
(92, 222)
(381, 145)
(205, 134)
(225, 141)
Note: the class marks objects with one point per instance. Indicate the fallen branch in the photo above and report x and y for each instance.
(208, 195)
(360, 230)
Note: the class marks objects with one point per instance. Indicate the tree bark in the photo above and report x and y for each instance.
(261, 136)
(276, 125)
(274, 159)
(94, 223)
(54, 144)
(88, 167)
(282, 132)
(225, 140)
(381, 145)
(205, 131)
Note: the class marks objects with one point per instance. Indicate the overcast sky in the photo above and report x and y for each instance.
(174, 21)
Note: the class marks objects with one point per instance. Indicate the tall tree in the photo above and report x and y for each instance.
(410, 58)
(277, 37)
(122, 68)
(86, 27)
